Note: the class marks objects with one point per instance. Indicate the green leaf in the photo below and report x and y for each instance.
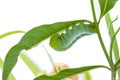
(87, 75)
(31, 65)
(10, 33)
(3, 36)
(1, 66)
(12, 77)
(111, 33)
(106, 5)
(27, 60)
(31, 39)
(1, 63)
(65, 40)
(68, 73)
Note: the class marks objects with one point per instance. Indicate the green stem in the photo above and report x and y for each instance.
(112, 41)
(118, 67)
(111, 33)
(115, 48)
(104, 49)
(99, 35)
(113, 73)
(111, 64)
(51, 60)
(117, 63)
(93, 11)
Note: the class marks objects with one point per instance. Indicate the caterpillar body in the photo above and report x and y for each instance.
(65, 40)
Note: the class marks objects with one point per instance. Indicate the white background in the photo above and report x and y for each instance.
(26, 14)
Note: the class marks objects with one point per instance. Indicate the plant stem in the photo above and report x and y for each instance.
(117, 63)
(115, 48)
(93, 11)
(111, 64)
(112, 42)
(113, 73)
(99, 35)
(51, 60)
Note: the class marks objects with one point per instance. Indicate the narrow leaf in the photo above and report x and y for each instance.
(30, 64)
(68, 73)
(1, 63)
(87, 75)
(106, 5)
(10, 60)
(111, 33)
(1, 66)
(31, 39)
(12, 77)
(10, 33)
(65, 40)
(3, 36)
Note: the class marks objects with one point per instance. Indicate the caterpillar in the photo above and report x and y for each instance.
(65, 40)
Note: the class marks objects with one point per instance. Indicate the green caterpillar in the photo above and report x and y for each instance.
(65, 40)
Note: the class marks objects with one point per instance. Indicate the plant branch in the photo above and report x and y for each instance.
(93, 11)
(104, 48)
(117, 63)
(111, 64)
(115, 48)
(99, 35)
(51, 60)
(112, 41)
